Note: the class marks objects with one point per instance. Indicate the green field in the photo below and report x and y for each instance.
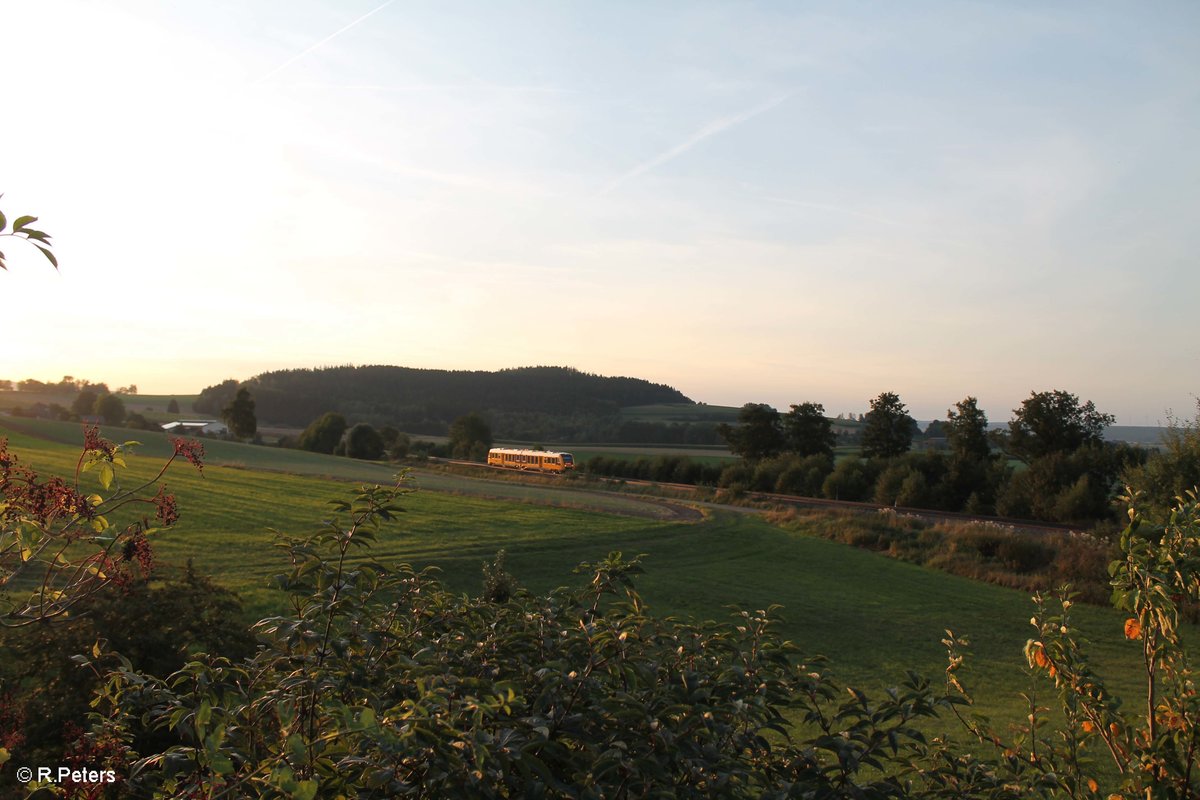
(873, 616)
(632, 452)
(681, 412)
(152, 406)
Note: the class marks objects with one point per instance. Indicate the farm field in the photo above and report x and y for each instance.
(632, 452)
(134, 403)
(675, 412)
(872, 616)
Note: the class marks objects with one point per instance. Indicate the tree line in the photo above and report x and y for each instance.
(1051, 463)
(470, 437)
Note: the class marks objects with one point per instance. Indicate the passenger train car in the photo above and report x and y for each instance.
(540, 460)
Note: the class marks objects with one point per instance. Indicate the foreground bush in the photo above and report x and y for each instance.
(157, 622)
(382, 684)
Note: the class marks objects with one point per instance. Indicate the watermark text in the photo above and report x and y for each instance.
(65, 775)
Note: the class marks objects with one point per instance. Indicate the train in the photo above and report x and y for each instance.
(539, 460)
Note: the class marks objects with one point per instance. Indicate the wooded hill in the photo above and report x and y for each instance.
(527, 402)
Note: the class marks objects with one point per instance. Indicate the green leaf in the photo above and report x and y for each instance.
(49, 256)
(3, 222)
(295, 745)
(22, 222)
(305, 790)
(106, 474)
(203, 714)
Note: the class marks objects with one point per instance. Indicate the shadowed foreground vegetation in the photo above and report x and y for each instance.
(375, 680)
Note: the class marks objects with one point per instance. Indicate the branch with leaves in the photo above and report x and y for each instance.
(57, 546)
(21, 230)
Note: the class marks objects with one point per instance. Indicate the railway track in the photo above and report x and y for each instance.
(807, 502)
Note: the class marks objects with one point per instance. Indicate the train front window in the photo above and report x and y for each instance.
(567, 458)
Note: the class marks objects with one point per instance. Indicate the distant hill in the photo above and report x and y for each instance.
(541, 401)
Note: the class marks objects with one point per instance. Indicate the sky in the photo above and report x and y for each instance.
(751, 202)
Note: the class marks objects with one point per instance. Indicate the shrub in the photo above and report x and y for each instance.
(139, 423)
(324, 433)
(157, 624)
(56, 543)
(851, 479)
(363, 441)
(399, 447)
(498, 585)
(889, 483)
(804, 476)
(735, 475)
(766, 473)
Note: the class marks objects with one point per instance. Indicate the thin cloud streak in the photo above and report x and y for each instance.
(711, 129)
(322, 43)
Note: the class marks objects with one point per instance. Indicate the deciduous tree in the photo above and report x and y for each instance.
(807, 431)
(1172, 470)
(239, 415)
(84, 404)
(363, 441)
(758, 435)
(470, 434)
(889, 429)
(323, 434)
(967, 430)
(111, 408)
(1054, 422)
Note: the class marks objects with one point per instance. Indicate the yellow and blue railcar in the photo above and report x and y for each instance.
(539, 460)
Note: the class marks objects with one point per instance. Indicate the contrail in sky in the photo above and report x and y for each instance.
(709, 130)
(324, 41)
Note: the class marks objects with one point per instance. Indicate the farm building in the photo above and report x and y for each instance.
(208, 427)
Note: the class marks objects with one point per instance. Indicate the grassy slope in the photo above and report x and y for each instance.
(681, 412)
(874, 617)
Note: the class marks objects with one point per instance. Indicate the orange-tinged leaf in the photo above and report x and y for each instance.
(1039, 656)
(1133, 629)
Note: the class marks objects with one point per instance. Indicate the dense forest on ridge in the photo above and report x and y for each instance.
(532, 402)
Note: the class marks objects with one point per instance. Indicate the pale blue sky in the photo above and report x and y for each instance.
(750, 202)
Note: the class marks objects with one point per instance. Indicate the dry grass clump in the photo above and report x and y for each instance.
(984, 551)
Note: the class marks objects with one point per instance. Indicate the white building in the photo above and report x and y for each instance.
(208, 427)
